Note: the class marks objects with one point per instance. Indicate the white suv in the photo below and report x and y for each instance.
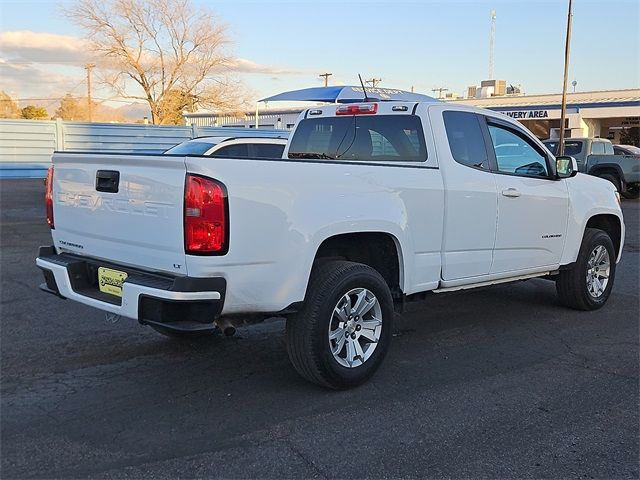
(251, 147)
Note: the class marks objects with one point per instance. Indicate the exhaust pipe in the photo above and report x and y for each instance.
(225, 327)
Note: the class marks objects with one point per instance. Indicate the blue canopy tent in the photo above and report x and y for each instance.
(348, 94)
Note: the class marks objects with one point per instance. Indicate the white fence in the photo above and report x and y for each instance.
(26, 145)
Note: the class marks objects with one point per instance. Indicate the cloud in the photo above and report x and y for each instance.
(39, 47)
(242, 65)
(24, 80)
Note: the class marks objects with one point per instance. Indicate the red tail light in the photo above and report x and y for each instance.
(206, 222)
(363, 109)
(48, 196)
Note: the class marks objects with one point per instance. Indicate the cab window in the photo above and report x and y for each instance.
(266, 150)
(392, 138)
(597, 148)
(466, 141)
(231, 151)
(515, 154)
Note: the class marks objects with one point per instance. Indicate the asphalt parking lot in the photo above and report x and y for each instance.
(496, 383)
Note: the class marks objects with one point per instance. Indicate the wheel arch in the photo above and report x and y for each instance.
(380, 250)
(610, 224)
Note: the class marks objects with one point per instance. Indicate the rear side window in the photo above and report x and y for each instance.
(365, 138)
(597, 148)
(266, 150)
(608, 149)
(466, 141)
(231, 151)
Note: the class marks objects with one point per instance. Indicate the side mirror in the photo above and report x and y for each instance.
(566, 166)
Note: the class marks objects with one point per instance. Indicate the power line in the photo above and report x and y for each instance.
(53, 99)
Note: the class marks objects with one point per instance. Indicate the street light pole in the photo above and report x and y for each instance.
(563, 111)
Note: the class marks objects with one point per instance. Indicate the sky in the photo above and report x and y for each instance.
(285, 45)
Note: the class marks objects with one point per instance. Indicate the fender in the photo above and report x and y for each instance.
(593, 170)
(589, 196)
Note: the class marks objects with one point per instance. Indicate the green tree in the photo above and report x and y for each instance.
(630, 136)
(8, 107)
(34, 112)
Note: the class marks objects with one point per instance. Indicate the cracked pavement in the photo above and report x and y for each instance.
(499, 382)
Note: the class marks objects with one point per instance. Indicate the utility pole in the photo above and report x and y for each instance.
(440, 90)
(88, 67)
(326, 78)
(373, 81)
(492, 43)
(563, 111)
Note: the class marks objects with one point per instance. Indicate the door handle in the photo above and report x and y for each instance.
(107, 181)
(511, 192)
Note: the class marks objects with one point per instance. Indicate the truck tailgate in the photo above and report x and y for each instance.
(127, 209)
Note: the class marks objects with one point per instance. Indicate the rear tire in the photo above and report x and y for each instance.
(340, 337)
(587, 285)
(613, 179)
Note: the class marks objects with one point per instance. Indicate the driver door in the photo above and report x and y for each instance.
(532, 204)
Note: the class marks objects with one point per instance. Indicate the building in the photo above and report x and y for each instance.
(284, 119)
(612, 114)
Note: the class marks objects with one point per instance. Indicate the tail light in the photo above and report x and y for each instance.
(206, 217)
(48, 197)
(362, 109)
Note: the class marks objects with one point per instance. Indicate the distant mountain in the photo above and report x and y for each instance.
(134, 111)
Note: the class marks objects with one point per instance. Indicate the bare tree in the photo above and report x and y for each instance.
(159, 46)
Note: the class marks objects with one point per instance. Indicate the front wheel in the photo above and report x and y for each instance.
(340, 337)
(587, 285)
(632, 192)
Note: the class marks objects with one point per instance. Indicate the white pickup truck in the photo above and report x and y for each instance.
(372, 204)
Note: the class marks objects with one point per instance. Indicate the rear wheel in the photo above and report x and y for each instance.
(587, 285)
(340, 337)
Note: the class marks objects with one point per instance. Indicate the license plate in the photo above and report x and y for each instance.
(110, 281)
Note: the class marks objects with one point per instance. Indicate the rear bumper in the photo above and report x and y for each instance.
(180, 303)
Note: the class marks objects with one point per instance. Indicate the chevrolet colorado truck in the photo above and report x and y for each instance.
(596, 156)
(372, 204)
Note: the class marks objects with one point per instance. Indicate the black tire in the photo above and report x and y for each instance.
(307, 331)
(571, 284)
(169, 332)
(613, 179)
(631, 193)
